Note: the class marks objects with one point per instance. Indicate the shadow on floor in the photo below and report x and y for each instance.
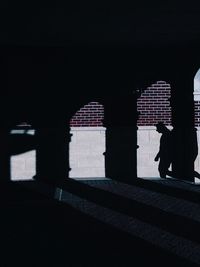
(37, 230)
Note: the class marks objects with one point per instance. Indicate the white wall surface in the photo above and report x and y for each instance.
(86, 152)
(197, 161)
(148, 141)
(23, 166)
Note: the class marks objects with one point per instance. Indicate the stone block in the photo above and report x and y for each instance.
(143, 137)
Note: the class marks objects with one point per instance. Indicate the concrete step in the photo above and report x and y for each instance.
(168, 224)
(170, 186)
(72, 231)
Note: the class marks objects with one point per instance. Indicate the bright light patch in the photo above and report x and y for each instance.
(23, 166)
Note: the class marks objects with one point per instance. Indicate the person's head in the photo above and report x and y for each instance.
(160, 127)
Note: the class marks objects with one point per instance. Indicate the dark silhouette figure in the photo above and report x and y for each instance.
(165, 150)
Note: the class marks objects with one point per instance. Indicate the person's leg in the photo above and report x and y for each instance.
(162, 169)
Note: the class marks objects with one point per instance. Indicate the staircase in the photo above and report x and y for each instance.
(101, 222)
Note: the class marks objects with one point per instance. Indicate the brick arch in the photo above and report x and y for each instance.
(90, 115)
(154, 104)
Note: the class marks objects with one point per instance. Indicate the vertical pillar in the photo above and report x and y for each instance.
(184, 136)
(52, 153)
(4, 154)
(120, 116)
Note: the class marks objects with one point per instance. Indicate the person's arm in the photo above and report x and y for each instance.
(157, 156)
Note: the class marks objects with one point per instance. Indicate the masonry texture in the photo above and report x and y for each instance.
(154, 105)
(197, 113)
(90, 115)
(86, 152)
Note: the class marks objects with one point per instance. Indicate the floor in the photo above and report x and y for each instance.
(100, 222)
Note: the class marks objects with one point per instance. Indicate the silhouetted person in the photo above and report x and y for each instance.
(165, 150)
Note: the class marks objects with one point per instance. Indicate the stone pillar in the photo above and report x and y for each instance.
(121, 137)
(184, 137)
(52, 153)
(5, 155)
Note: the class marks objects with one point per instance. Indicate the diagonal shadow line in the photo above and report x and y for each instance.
(129, 245)
(176, 245)
(169, 189)
(173, 223)
(156, 199)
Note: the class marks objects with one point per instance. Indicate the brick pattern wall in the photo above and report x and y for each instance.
(90, 115)
(154, 105)
(197, 113)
